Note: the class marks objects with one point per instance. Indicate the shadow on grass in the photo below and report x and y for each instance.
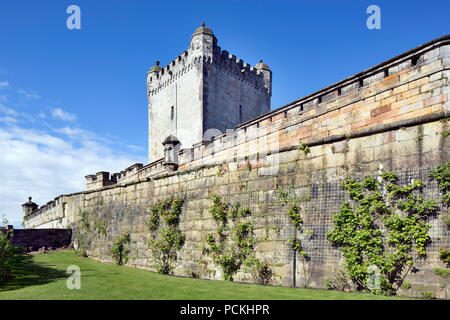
(27, 273)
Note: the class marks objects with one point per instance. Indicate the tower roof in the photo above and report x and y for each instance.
(203, 30)
(171, 140)
(30, 204)
(155, 68)
(262, 65)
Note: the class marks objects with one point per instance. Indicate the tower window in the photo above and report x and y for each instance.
(172, 113)
(240, 113)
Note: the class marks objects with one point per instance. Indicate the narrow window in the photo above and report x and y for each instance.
(240, 113)
(172, 113)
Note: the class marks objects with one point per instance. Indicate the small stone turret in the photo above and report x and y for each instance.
(267, 73)
(28, 207)
(152, 76)
(203, 42)
(171, 147)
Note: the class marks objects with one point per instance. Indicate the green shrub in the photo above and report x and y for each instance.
(8, 256)
(444, 255)
(406, 285)
(167, 238)
(261, 272)
(358, 230)
(231, 245)
(120, 249)
(444, 273)
(337, 281)
(429, 295)
(442, 175)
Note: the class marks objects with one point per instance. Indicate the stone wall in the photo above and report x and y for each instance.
(391, 116)
(35, 239)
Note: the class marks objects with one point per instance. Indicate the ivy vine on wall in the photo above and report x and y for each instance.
(442, 175)
(83, 235)
(295, 212)
(232, 244)
(121, 248)
(86, 232)
(378, 229)
(166, 236)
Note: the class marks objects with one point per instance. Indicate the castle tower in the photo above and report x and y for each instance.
(28, 207)
(203, 89)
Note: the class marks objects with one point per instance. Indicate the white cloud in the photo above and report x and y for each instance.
(59, 114)
(42, 165)
(8, 111)
(28, 95)
(135, 148)
(8, 119)
(4, 84)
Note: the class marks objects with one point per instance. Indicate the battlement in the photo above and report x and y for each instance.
(136, 172)
(100, 179)
(160, 78)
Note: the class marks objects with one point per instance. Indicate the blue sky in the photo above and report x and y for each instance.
(73, 102)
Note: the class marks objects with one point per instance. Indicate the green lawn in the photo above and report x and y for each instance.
(43, 276)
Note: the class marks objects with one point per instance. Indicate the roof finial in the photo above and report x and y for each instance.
(203, 23)
(29, 198)
(260, 60)
(157, 62)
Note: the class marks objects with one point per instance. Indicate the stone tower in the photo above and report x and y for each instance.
(205, 89)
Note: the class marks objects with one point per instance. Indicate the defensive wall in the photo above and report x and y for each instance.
(392, 117)
(35, 239)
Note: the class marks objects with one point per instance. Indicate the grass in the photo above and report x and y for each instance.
(43, 276)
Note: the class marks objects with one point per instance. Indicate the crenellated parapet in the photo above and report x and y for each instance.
(100, 179)
(258, 76)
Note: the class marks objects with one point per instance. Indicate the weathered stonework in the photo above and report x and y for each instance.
(36, 239)
(392, 115)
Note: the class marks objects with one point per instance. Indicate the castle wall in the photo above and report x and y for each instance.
(35, 239)
(226, 89)
(392, 115)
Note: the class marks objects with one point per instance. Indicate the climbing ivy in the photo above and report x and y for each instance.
(444, 255)
(230, 255)
(83, 235)
(84, 222)
(295, 212)
(100, 226)
(442, 175)
(379, 227)
(167, 238)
